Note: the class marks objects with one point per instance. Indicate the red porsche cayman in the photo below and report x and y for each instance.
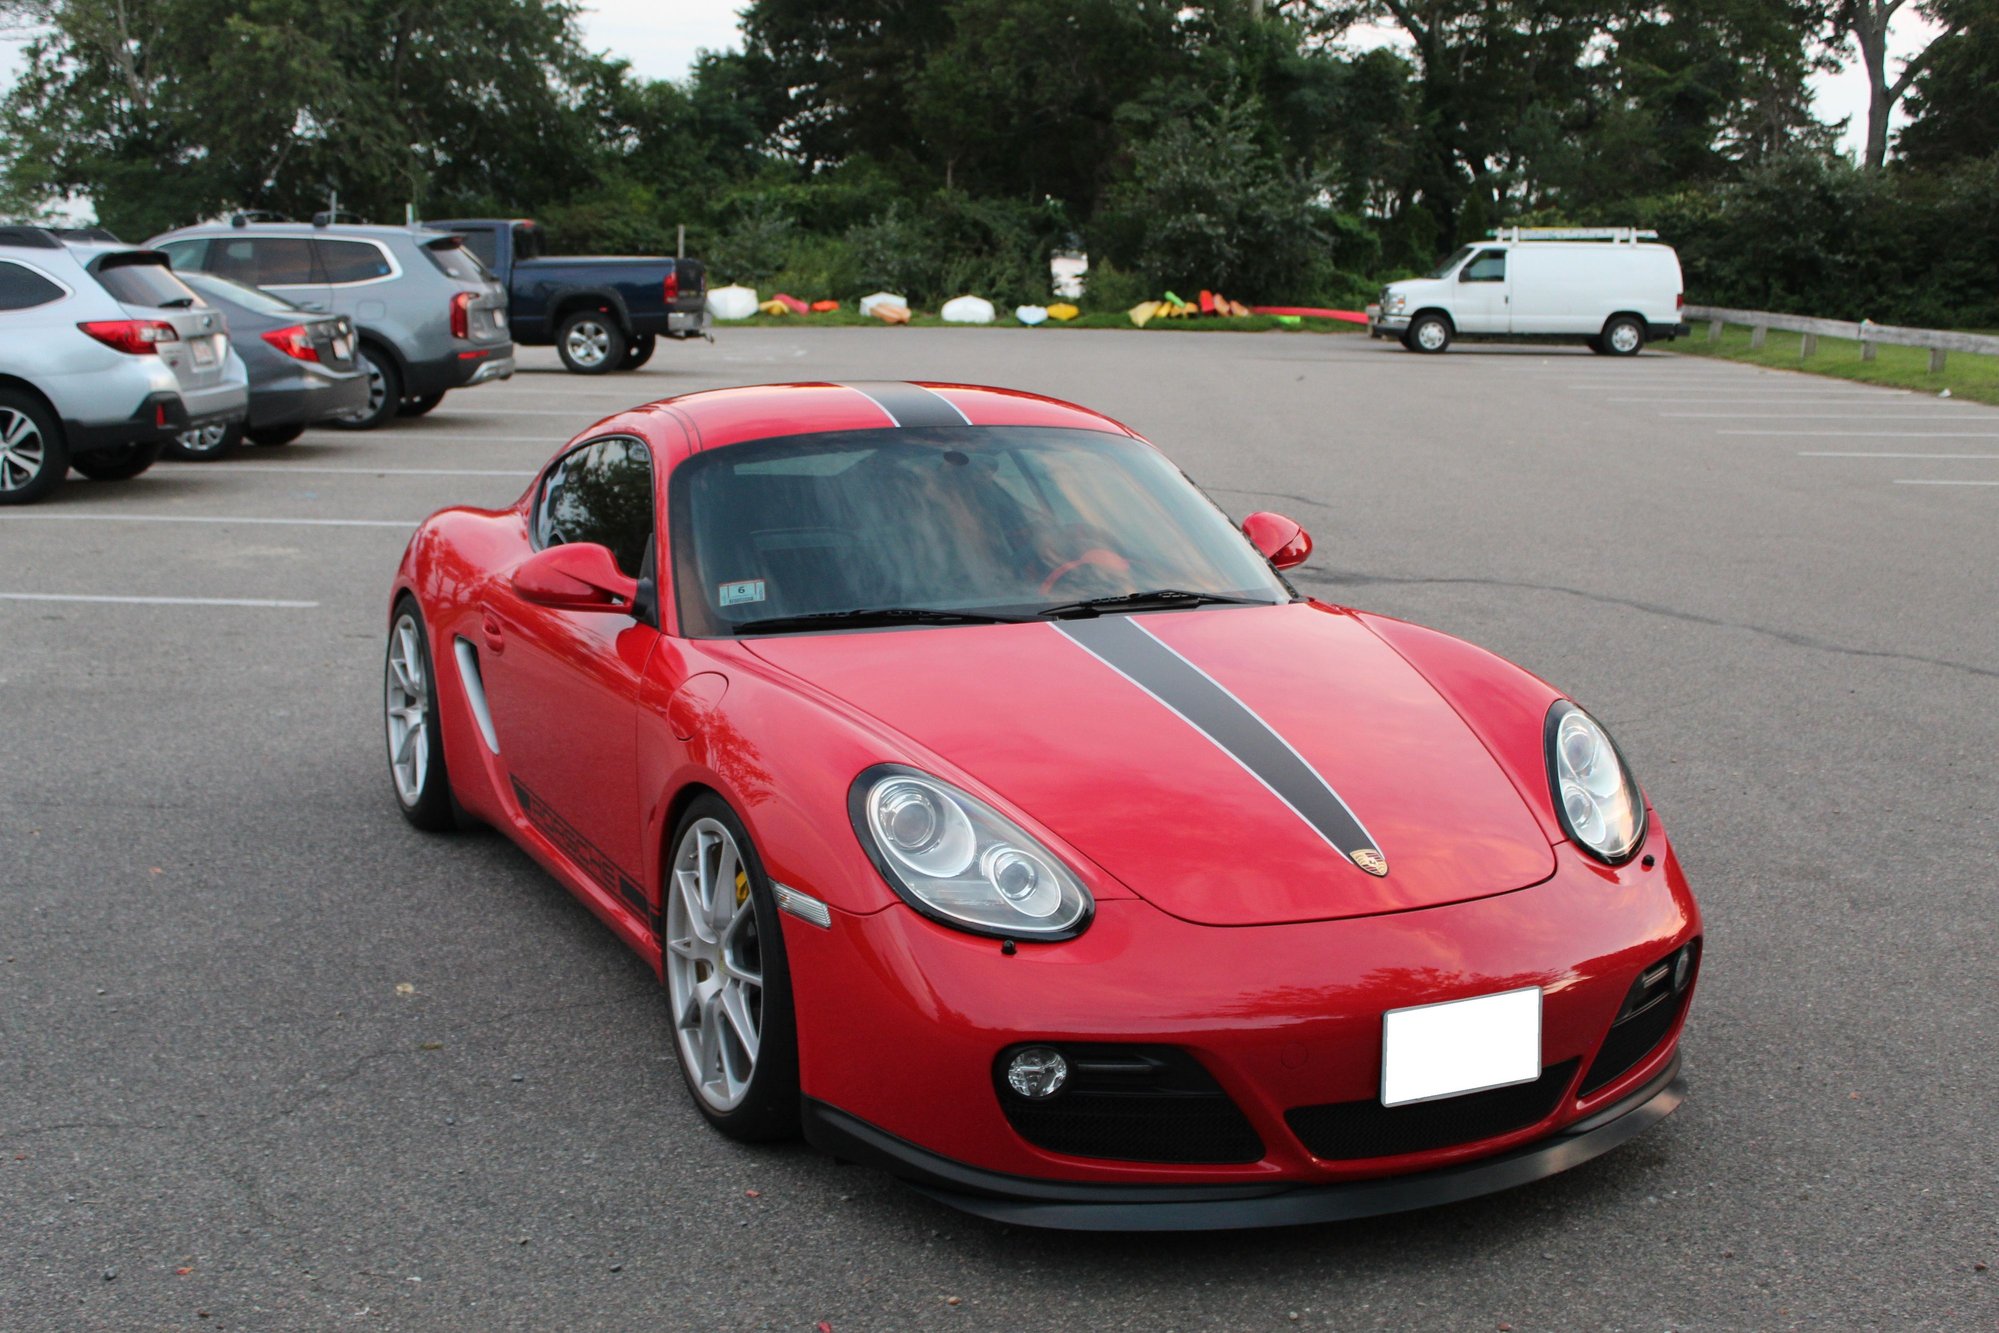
(997, 814)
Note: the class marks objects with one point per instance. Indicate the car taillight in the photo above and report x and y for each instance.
(1680, 301)
(140, 337)
(461, 315)
(670, 289)
(295, 342)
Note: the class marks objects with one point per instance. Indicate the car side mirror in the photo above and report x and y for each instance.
(580, 576)
(1283, 542)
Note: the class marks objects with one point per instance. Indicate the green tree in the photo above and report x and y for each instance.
(1953, 104)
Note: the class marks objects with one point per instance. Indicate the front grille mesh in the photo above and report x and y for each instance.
(1348, 1131)
(1134, 1104)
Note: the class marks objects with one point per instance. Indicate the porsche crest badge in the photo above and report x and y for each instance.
(1373, 862)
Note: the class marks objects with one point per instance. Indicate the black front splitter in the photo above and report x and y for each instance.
(1078, 1206)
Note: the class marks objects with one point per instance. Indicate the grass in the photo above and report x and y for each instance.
(850, 318)
(1965, 374)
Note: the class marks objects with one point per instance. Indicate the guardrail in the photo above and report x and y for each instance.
(1867, 333)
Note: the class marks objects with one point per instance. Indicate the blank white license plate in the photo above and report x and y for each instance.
(1445, 1050)
(204, 352)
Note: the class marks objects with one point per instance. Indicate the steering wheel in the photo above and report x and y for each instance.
(1097, 557)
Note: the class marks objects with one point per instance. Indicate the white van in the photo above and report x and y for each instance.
(1611, 288)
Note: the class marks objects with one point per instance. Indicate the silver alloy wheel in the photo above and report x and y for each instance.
(378, 389)
(23, 452)
(1431, 334)
(714, 964)
(588, 342)
(1624, 338)
(407, 708)
(203, 439)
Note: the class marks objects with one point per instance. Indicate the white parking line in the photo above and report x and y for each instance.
(1880, 434)
(1938, 481)
(1817, 453)
(442, 437)
(544, 412)
(286, 469)
(262, 602)
(1815, 416)
(212, 518)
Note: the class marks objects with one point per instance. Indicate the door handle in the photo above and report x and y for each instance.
(491, 631)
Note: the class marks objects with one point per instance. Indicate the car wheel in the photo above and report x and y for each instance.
(640, 351)
(416, 407)
(590, 343)
(273, 435)
(33, 461)
(727, 987)
(416, 745)
(1623, 336)
(119, 463)
(385, 391)
(1430, 333)
(205, 444)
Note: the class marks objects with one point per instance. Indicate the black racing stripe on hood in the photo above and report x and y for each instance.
(1132, 651)
(911, 404)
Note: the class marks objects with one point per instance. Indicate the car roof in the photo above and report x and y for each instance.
(718, 418)
(364, 230)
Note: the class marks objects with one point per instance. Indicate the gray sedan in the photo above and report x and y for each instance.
(301, 364)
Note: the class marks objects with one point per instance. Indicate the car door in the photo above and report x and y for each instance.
(285, 265)
(563, 686)
(1482, 302)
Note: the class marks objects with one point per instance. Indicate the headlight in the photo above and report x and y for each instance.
(1392, 303)
(955, 858)
(1598, 800)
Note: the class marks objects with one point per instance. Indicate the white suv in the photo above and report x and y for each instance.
(105, 357)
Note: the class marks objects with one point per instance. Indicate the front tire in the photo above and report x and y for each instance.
(205, 444)
(120, 463)
(1623, 336)
(409, 711)
(728, 988)
(33, 459)
(385, 391)
(640, 351)
(590, 343)
(1429, 334)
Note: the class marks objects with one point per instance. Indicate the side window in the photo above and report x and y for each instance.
(264, 261)
(23, 288)
(1488, 266)
(599, 493)
(351, 261)
(185, 256)
(484, 244)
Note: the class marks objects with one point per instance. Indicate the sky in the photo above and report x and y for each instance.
(661, 40)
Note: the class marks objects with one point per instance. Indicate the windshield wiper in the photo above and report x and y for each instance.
(1158, 599)
(867, 616)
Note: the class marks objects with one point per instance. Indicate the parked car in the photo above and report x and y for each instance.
(1609, 288)
(301, 365)
(427, 315)
(105, 357)
(603, 313)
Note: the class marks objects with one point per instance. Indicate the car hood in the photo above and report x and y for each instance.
(1232, 766)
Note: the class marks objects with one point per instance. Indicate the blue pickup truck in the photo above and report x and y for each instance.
(602, 313)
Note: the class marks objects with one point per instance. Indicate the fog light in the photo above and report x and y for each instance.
(1037, 1072)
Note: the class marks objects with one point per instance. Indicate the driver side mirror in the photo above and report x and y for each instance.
(580, 576)
(1283, 542)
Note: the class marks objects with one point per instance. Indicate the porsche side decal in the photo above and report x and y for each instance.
(911, 404)
(1203, 703)
(583, 853)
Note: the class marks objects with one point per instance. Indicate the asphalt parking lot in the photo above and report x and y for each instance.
(270, 1059)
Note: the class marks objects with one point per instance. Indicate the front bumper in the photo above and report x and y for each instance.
(1383, 325)
(1101, 1207)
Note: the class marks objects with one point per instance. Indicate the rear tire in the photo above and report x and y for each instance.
(1429, 334)
(416, 407)
(33, 459)
(1623, 336)
(205, 444)
(385, 391)
(119, 463)
(409, 711)
(273, 435)
(640, 351)
(591, 343)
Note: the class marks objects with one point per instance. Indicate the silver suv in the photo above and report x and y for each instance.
(428, 315)
(105, 356)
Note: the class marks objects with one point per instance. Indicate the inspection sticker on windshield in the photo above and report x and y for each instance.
(749, 590)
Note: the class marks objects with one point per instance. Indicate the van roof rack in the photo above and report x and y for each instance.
(1626, 235)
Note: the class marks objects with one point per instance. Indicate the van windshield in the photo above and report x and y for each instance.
(1443, 270)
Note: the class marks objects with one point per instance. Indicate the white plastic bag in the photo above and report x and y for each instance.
(967, 310)
(868, 303)
(732, 302)
(1031, 315)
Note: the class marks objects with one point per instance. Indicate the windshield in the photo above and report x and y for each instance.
(1006, 521)
(1443, 270)
(250, 298)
